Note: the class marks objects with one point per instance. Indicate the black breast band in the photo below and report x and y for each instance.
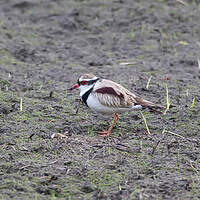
(85, 96)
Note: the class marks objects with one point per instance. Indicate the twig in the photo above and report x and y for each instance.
(30, 137)
(79, 103)
(182, 2)
(194, 168)
(127, 62)
(122, 147)
(51, 94)
(52, 178)
(49, 163)
(158, 142)
(175, 134)
(190, 140)
(58, 135)
(24, 167)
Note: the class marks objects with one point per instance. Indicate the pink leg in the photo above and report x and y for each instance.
(108, 132)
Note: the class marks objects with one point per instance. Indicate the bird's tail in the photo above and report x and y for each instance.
(157, 108)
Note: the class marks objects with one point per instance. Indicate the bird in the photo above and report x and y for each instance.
(108, 97)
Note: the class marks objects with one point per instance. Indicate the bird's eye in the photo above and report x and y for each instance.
(83, 82)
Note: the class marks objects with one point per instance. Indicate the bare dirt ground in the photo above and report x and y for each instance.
(45, 45)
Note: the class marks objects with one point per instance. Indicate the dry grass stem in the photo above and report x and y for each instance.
(58, 135)
(198, 61)
(145, 122)
(182, 2)
(148, 82)
(21, 108)
(193, 103)
(167, 100)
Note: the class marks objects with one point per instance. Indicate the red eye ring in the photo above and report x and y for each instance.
(83, 82)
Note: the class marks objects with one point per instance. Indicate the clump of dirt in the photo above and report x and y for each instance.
(147, 46)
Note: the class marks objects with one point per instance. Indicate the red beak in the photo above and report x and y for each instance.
(74, 87)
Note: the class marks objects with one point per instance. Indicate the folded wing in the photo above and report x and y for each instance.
(112, 94)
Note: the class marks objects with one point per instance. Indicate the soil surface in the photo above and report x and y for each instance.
(150, 47)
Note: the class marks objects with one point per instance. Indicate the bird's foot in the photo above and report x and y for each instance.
(104, 133)
(107, 133)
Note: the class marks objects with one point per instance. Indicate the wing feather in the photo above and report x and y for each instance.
(113, 94)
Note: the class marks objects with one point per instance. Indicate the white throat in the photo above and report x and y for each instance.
(84, 88)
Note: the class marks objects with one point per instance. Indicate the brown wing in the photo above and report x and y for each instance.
(108, 97)
(113, 94)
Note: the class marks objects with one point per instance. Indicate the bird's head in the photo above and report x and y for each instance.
(85, 83)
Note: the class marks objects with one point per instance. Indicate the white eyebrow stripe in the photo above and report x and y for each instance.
(92, 79)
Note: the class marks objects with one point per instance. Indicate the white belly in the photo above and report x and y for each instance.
(96, 106)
